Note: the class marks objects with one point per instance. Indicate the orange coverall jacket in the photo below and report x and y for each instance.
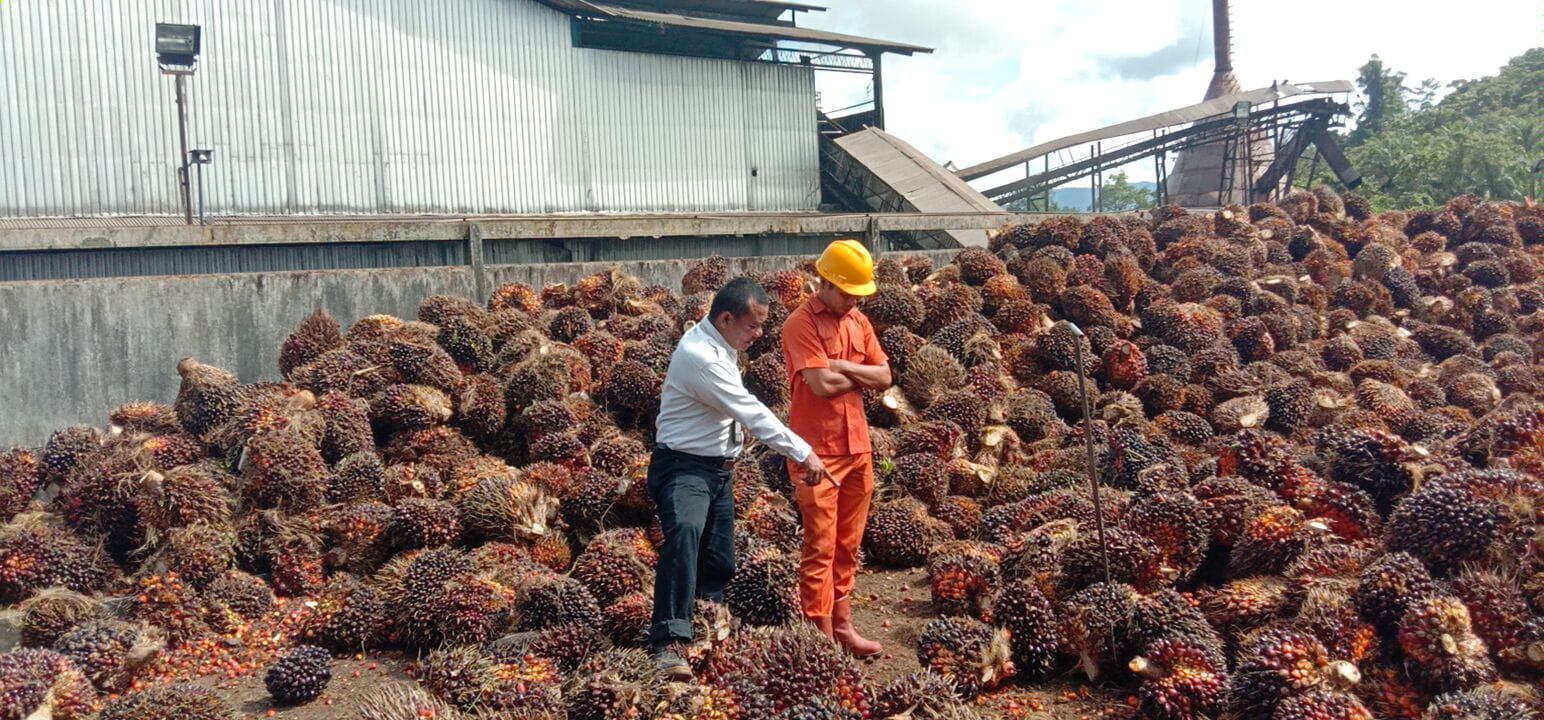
(833, 514)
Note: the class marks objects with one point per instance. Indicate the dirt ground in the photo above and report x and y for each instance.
(891, 606)
(350, 678)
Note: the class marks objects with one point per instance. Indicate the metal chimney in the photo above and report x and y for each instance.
(1198, 171)
(1222, 36)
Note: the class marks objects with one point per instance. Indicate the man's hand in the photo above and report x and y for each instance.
(815, 471)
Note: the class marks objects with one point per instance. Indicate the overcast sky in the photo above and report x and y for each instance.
(1008, 74)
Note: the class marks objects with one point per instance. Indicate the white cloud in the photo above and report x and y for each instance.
(1006, 75)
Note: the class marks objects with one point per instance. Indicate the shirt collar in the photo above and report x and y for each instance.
(816, 305)
(713, 335)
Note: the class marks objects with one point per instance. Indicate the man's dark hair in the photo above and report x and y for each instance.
(735, 297)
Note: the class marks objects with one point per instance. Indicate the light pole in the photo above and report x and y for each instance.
(176, 49)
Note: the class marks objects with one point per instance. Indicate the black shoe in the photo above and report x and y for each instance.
(670, 663)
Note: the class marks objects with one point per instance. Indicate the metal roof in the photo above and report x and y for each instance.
(746, 28)
(770, 9)
(924, 185)
(1180, 116)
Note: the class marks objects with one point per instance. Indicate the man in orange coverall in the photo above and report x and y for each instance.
(832, 354)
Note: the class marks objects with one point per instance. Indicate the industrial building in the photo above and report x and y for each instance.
(402, 106)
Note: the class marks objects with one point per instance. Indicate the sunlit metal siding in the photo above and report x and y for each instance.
(328, 106)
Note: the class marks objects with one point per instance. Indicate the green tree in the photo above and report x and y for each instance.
(1483, 138)
(1382, 99)
(1117, 194)
(1423, 96)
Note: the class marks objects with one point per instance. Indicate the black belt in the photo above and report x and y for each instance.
(726, 463)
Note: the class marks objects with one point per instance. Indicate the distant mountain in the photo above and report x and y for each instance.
(1076, 198)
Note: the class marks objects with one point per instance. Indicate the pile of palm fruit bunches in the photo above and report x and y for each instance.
(1319, 434)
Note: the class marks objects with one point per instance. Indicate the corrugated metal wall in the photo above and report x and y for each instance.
(368, 106)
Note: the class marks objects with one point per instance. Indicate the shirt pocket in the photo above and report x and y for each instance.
(852, 342)
(833, 343)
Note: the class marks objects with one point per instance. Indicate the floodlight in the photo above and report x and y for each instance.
(176, 45)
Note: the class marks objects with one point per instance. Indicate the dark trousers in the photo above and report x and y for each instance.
(695, 497)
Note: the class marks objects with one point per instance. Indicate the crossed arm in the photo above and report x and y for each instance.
(841, 376)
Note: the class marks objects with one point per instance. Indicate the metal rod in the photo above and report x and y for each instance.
(1093, 179)
(879, 91)
(201, 193)
(1029, 202)
(1313, 169)
(1048, 187)
(1157, 174)
(1088, 443)
(1099, 148)
(182, 137)
(1248, 164)
(1222, 172)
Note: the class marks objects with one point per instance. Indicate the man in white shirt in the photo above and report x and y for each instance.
(697, 437)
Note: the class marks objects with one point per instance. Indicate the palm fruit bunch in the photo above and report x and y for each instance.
(923, 694)
(901, 532)
(37, 553)
(773, 669)
(299, 676)
(1317, 435)
(1277, 664)
(1163, 615)
(401, 701)
(42, 683)
(110, 651)
(1440, 647)
(615, 563)
(172, 605)
(20, 476)
(964, 576)
(565, 646)
(349, 615)
(1175, 522)
(467, 679)
(1179, 680)
(974, 654)
(53, 612)
(762, 589)
(1132, 559)
(1501, 617)
(1023, 610)
(1239, 606)
(168, 702)
(1328, 610)
(238, 596)
(1481, 704)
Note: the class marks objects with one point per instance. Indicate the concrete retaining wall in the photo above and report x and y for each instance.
(72, 350)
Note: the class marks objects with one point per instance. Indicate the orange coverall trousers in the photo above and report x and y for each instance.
(834, 516)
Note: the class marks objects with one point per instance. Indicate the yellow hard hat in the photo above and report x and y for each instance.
(848, 265)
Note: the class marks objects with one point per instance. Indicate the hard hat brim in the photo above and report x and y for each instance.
(864, 290)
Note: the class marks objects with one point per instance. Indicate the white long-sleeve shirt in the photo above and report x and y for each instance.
(703, 396)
